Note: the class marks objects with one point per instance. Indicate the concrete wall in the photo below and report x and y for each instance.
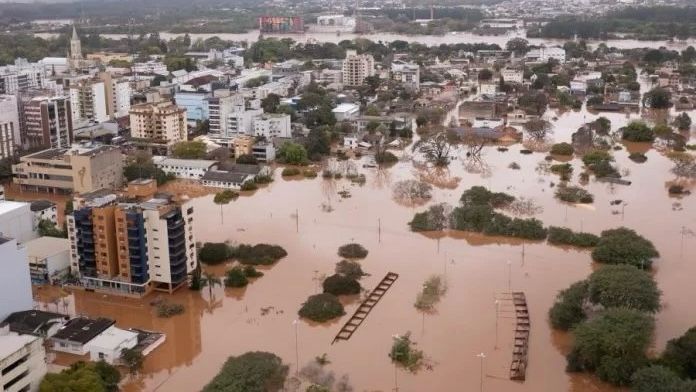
(15, 283)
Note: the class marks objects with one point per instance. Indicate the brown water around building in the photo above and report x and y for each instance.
(293, 215)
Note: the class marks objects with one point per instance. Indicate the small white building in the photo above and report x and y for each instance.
(350, 142)
(74, 337)
(512, 76)
(49, 259)
(270, 125)
(192, 169)
(543, 54)
(406, 73)
(22, 361)
(346, 112)
(481, 122)
(578, 86)
(44, 210)
(489, 89)
(108, 345)
(264, 152)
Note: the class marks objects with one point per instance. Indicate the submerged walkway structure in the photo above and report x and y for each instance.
(518, 368)
(366, 307)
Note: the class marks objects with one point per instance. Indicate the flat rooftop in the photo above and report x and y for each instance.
(12, 342)
(7, 206)
(44, 247)
(51, 153)
(83, 330)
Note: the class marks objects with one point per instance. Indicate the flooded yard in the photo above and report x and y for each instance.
(478, 270)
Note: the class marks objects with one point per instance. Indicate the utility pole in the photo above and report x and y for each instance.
(482, 356)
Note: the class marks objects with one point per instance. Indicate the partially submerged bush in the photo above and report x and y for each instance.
(385, 157)
(595, 156)
(290, 172)
(249, 186)
(567, 311)
(250, 372)
(341, 285)
(251, 272)
(321, 307)
(225, 196)
(259, 254)
(637, 131)
(478, 195)
(562, 149)
(624, 286)
(434, 218)
(236, 278)
(624, 246)
(574, 194)
(433, 289)
(352, 251)
(350, 269)
(166, 309)
(565, 236)
(562, 169)
(214, 253)
(309, 173)
(638, 157)
(405, 354)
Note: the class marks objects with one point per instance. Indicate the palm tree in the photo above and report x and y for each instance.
(211, 281)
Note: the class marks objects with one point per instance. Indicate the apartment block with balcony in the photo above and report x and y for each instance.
(357, 67)
(22, 362)
(158, 123)
(88, 101)
(132, 248)
(10, 137)
(45, 121)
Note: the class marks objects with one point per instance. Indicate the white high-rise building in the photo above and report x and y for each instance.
(15, 282)
(357, 67)
(88, 101)
(242, 122)
(272, 125)
(21, 76)
(10, 137)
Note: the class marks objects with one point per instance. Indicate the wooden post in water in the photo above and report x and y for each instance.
(297, 220)
(379, 230)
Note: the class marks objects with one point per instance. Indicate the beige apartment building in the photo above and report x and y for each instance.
(82, 168)
(356, 67)
(159, 123)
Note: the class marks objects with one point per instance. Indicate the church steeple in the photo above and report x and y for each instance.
(75, 55)
(74, 34)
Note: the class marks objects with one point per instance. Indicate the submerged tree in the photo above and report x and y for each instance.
(436, 149)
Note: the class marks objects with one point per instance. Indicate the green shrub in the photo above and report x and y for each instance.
(352, 251)
(341, 285)
(657, 378)
(225, 196)
(574, 194)
(321, 307)
(404, 354)
(434, 218)
(562, 169)
(166, 309)
(562, 149)
(568, 310)
(250, 372)
(214, 253)
(637, 131)
(249, 186)
(478, 195)
(83, 377)
(309, 174)
(596, 156)
(350, 269)
(236, 277)
(624, 286)
(290, 172)
(251, 272)
(263, 179)
(680, 354)
(624, 246)
(259, 254)
(638, 157)
(565, 236)
(612, 345)
(482, 219)
(433, 289)
(385, 157)
(605, 169)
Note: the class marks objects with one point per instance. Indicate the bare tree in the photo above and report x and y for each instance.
(436, 149)
(538, 129)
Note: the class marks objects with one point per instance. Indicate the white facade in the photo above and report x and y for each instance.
(22, 362)
(17, 221)
(150, 67)
(15, 283)
(480, 122)
(121, 97)
(356, 68)
(184, 168)
(545, 54)
(331, 76)
(512, 75)
(49, 258)
(488, 88)
(242, 123)
(88, 102)
(346, 111)
(406, 73)
(22, 75)
(108, 345)
(220, 107)
(272, 125)
(10, 136)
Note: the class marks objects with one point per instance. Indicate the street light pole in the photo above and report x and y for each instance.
(296, 323)
(482, 356)
(509, 264)
(497, 309)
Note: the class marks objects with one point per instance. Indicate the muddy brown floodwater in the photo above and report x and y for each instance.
(475, 267)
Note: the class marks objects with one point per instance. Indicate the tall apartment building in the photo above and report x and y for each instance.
(356, 67)
(88, 101)
(118, 95)
(15, 282)
(220, 105)
(132, 248)
(45, 121)
(82, 168)
(162, 122)
(10, 138)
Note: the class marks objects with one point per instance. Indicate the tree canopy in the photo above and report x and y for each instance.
(624, 246)
(250, 372)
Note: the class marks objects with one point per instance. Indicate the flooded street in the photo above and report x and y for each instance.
(475, 267)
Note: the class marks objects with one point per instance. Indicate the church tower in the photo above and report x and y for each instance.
(75, 56)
